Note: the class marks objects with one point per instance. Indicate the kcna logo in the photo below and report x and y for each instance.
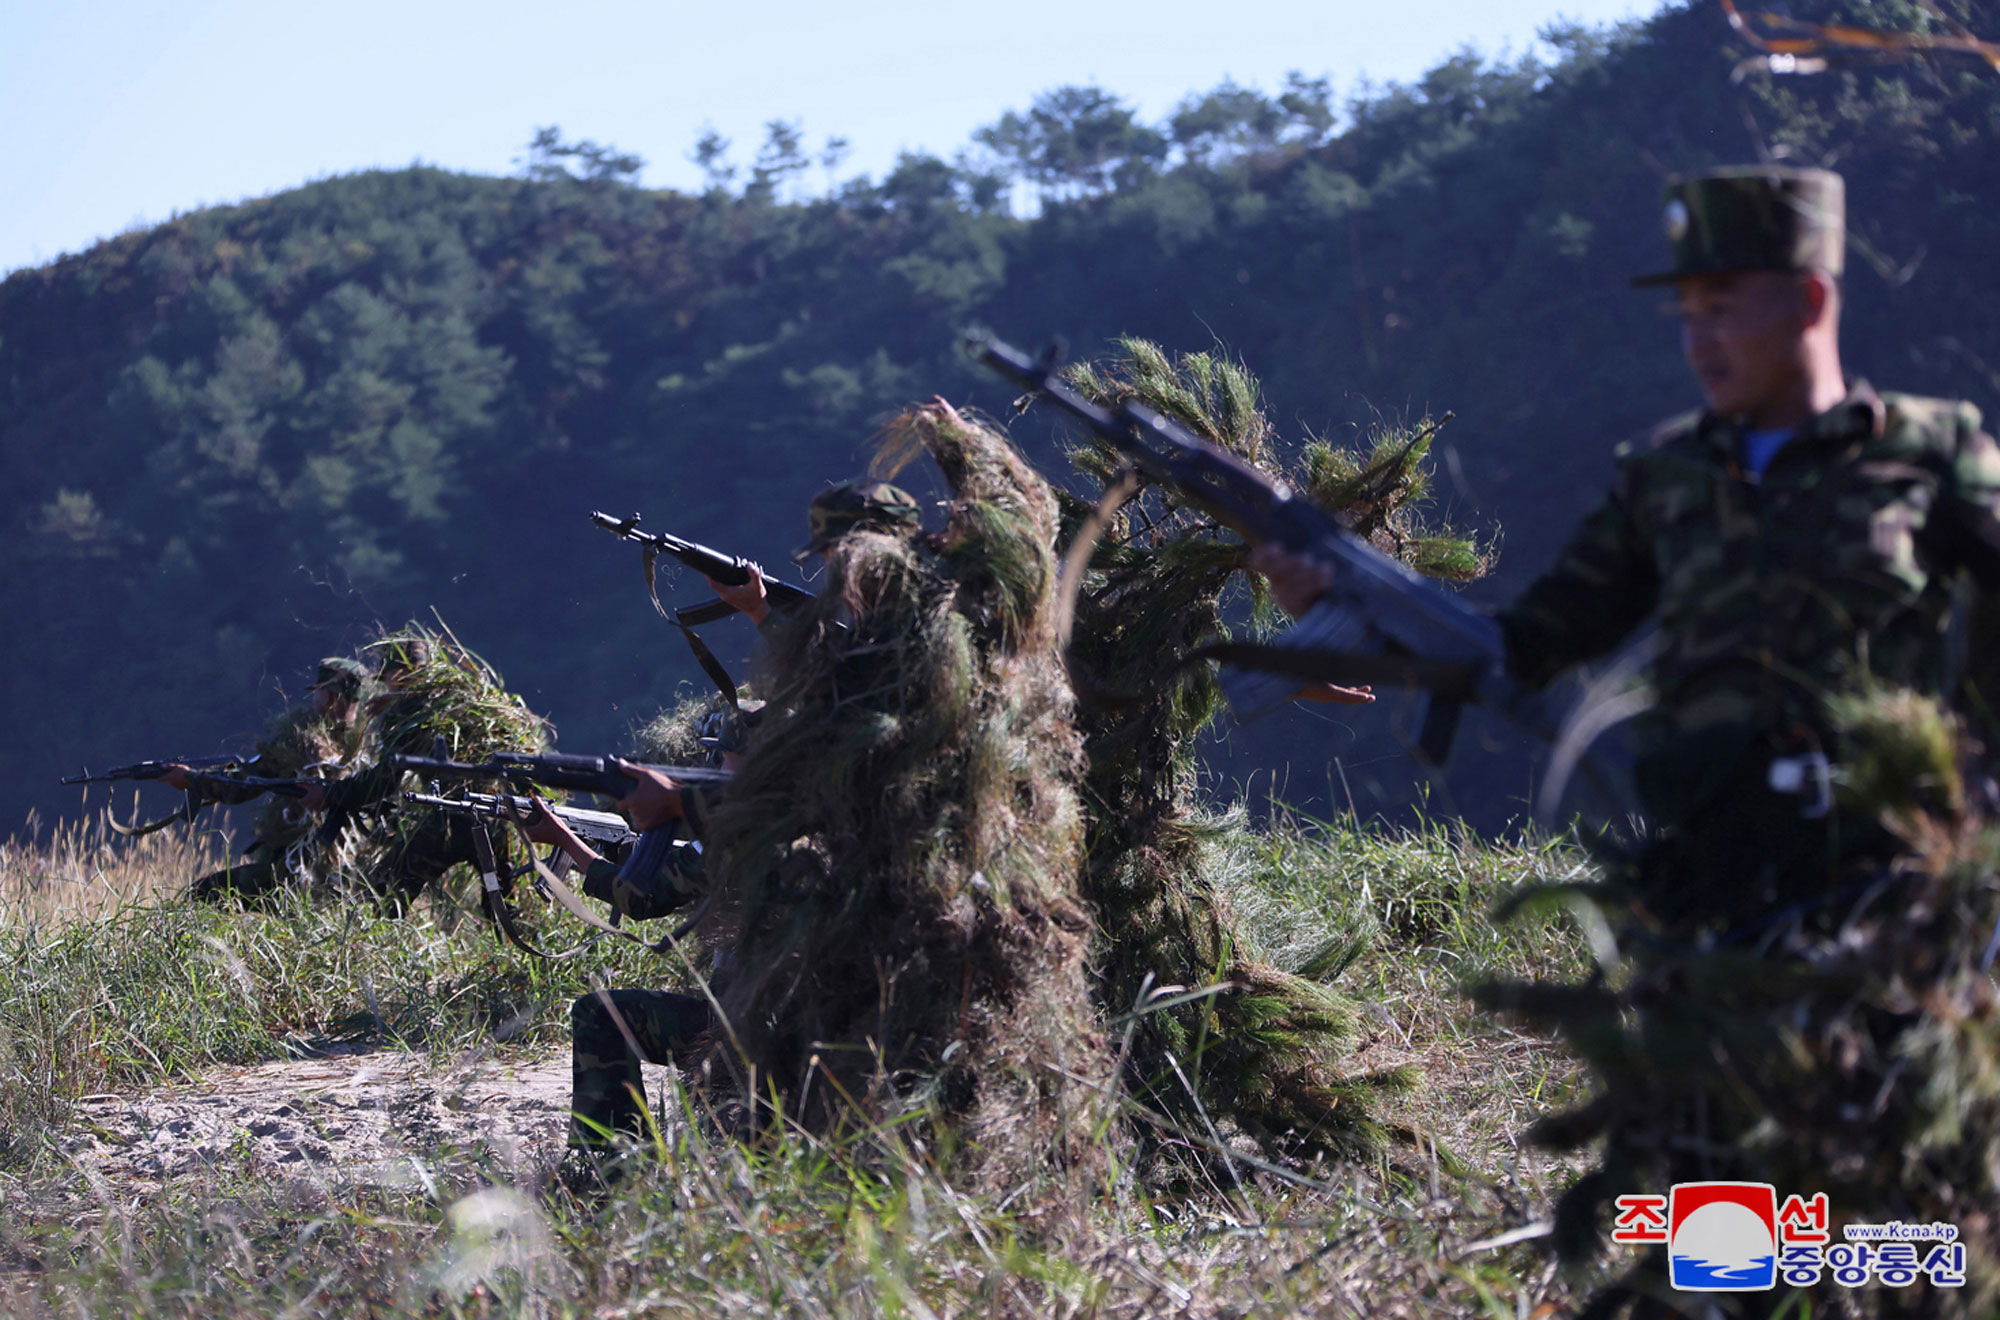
(1723, 1236)
(1736, 1237)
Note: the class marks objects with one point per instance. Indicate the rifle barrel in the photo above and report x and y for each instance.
(717, 565)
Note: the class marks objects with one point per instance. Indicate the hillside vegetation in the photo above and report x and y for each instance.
(234, 438)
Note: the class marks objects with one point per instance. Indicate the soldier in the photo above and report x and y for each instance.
(323, 733)
(613, 1031)
(418, 682)
(1800, 537)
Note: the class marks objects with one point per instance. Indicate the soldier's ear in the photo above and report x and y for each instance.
(1822, 297)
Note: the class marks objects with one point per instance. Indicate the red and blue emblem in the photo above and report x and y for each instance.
(1723, 1236)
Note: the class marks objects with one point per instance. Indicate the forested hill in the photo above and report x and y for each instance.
(231, 439)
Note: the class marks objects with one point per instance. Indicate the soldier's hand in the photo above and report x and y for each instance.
(1297, 582)
(748, 598)
(541, 825)
(175, 776)
(1336, 694)
(314, 798)
(653, 800)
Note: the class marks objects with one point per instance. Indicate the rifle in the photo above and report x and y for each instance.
(147, 770)
(1381, 622)
(609, 834)
(580, 774)
(728, 569)
(208, 780)
(602, 830)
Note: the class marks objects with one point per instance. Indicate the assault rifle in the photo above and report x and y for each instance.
(148, 770)
(606, 833)
(728, 569)
(208, 780)
(579, 774)
(602, 830)
(1381, 622)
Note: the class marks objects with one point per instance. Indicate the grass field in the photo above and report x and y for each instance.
(119, 987)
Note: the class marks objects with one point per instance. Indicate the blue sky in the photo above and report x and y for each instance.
(121, 112)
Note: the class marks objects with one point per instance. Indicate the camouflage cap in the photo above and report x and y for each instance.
(839, 509)
(345, 676)
(1754, 217)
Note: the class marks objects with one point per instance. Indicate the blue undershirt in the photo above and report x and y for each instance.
(1760, 447)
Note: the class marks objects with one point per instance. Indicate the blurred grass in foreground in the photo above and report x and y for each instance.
(118, 986)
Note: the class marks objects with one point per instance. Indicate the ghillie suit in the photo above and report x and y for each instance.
(898, 851)
(674, 737)
(1268, 1049)
(435, 696)
(1851, 1047)
(284, 850)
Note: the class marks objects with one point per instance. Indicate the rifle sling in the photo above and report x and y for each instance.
(186, 812)
(1451, 680)
(498, 909)
(574, 904)
(706, 612)
(702, 655)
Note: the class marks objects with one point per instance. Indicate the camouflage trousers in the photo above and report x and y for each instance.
(611, 1033)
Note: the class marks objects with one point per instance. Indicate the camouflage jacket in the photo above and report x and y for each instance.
(681, 880)
(1774, 593)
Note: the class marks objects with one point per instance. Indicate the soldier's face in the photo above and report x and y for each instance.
(1744, 337)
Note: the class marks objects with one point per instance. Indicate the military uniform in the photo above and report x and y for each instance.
(1830, 565)
(612, 1032)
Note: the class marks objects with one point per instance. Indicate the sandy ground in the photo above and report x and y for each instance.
(382, 1118)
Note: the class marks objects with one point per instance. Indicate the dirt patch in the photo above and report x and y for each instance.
(381, 1119)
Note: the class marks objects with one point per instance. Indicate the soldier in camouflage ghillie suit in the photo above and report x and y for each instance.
(1800, 538)
(614, 1031)
(430, 695)
(321, 738)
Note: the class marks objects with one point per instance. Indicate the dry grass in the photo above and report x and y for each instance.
(79, 870)
(854, 1222)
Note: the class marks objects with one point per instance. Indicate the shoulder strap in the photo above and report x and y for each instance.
(704, 657)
